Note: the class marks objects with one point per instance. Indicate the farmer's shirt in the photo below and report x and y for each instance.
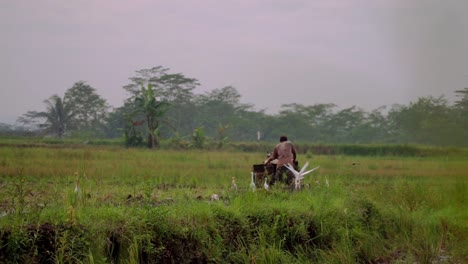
(285, 153)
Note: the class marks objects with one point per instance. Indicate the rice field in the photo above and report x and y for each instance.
(96, 204)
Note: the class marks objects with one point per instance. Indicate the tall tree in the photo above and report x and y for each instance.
(144, 77)
(462, 103)
(343, 127)
(115, 121)
(176, 90)
(460, 116)
(293, 119)
(426, 121)
(307, 121)
(220, 106)
(461, 106)
(56, 120)
(376, 127)
(89, 108)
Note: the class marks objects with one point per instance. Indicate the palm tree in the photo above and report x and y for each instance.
(147, 104)
(56, 119)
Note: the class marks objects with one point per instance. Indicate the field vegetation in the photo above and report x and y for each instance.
(108, 204)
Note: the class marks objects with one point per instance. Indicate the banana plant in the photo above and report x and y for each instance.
(153, 110)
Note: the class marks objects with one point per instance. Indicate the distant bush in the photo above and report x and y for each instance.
(355, 149)
(181, 143)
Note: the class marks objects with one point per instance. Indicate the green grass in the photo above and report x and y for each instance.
(153, 206)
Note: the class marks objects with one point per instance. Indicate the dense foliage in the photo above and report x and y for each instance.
(220, 115)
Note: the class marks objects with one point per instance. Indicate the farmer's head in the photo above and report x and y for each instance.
(283, 138)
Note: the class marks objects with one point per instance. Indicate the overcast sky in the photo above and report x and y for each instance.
(368, 53)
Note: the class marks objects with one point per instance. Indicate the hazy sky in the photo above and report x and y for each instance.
(367, 53)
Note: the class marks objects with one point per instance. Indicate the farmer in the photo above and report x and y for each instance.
(284, 153)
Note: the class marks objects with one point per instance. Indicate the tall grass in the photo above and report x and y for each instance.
(142, 206)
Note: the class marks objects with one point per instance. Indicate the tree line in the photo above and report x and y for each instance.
(163, 106)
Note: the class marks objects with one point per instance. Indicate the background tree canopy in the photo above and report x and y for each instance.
(89, 109)
(163, 105)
